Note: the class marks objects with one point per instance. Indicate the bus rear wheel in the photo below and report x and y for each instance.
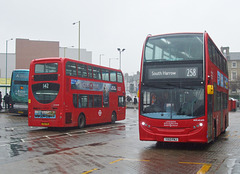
(81, 121)
(114, 117)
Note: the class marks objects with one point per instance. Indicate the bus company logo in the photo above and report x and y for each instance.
(99, 113)
(198, 119)
(171, 124)
(114, 88)
(90, 86)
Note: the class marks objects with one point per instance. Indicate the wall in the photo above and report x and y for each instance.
(27, 50)
(10, 64)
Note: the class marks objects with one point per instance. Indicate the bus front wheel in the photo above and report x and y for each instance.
(114, 117)
(81, 121)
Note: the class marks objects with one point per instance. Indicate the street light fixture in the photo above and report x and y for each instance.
(6, 60)
(78, 38)
(120, 51)
(110, 61)
(100, 58)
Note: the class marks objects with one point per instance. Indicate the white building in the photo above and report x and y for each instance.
(11, 64)
(85, 56)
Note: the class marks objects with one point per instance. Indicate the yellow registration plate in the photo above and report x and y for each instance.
(20, 112)
(45, 124)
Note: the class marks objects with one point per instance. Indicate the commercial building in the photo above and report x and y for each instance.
(234, 74)
(27, 50)
(131, 84)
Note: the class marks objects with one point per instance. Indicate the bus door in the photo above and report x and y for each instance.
(210, 115)
(121, 106)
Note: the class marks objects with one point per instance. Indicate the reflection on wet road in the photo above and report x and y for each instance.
(109, 148)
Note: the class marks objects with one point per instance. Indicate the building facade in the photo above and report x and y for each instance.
(234, 74)
(27, 50)
(85, 56)
(11, 64)
(131, 84)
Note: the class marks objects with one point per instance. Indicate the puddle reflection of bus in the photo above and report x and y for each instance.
(19, 91)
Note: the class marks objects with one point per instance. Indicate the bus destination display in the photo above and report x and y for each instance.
(172, 73)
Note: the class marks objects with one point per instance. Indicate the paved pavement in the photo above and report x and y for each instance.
(3, 110)
(110, 148)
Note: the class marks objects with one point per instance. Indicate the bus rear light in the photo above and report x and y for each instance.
(201, 124)
(143, 123)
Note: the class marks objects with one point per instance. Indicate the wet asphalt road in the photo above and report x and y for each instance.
(110, 148)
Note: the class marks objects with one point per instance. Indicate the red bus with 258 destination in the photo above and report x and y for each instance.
(183, 89)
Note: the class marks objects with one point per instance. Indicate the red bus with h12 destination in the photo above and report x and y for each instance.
(68, 93)
(183, 89)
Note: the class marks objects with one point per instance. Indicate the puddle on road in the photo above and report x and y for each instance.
(97, 144)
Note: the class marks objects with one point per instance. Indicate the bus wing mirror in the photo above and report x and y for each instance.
(210, 90)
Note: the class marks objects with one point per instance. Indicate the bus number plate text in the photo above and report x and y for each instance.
(171, 139)
(45, 124)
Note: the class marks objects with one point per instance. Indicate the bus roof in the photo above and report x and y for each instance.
(181, 33)
(21, 70)
(72, 60)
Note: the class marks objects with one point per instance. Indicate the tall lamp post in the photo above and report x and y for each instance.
(120, 51)
(100, 58)
(6, 60)
(78, 38)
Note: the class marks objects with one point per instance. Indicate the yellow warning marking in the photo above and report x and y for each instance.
(89, 171)
(204, 168)
(120, 159)
(227, 136)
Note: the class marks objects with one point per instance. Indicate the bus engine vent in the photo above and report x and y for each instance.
(68, 118)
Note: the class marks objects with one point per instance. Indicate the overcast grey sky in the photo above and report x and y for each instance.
(109, 24)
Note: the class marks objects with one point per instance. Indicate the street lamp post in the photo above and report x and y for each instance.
(110, 61)
(100, 58)
(6, 60)
(120, 51)
(78, 38)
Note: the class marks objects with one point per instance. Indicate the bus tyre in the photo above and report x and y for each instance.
(81, 121)
(114, 117)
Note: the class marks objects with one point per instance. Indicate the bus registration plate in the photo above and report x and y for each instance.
(45, 124)
(171, 139)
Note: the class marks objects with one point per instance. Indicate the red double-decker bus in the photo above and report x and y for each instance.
(68, 93)
(183, 89)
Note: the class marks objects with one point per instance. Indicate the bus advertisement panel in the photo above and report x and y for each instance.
(19, 91)
(183, 89)
(66, 93)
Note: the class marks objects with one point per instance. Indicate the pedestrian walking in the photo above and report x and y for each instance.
(135, 103)
(0, 100)
(6, 100)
